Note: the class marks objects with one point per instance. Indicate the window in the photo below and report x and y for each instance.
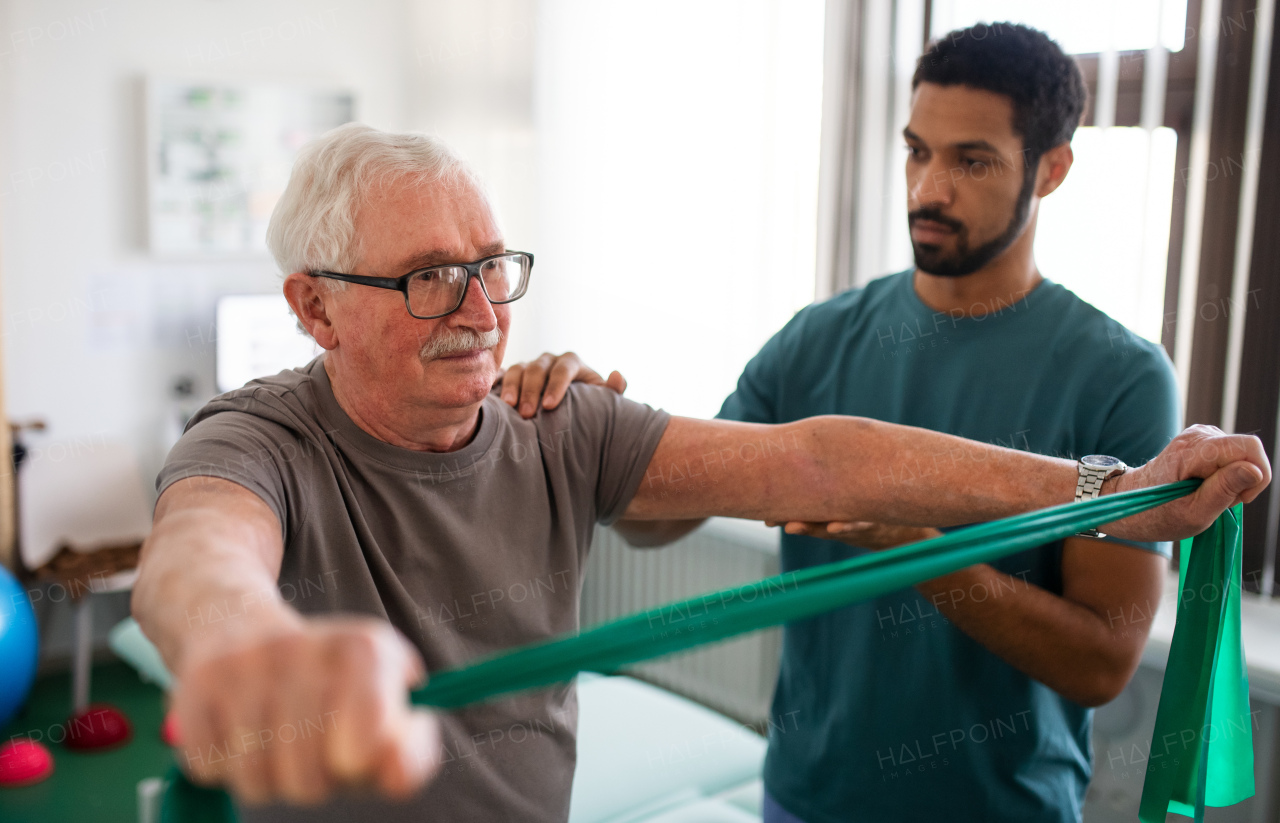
(1105, 234)
(1080, 27)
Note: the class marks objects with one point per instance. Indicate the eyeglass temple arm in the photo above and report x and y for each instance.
(378, 282)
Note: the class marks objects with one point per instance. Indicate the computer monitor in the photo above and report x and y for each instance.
(257, 336)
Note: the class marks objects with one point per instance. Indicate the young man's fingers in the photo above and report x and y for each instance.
(511, 384)
(617, 382)
(535, 379)
(564, 371)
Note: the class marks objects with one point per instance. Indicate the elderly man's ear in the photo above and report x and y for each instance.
(306, 297)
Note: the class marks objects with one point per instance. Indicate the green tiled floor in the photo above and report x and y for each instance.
(102, 786)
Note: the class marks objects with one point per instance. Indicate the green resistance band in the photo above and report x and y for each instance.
(1201, 751)
(1215, 776)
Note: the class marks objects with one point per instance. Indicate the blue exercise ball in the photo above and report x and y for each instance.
(19, 646)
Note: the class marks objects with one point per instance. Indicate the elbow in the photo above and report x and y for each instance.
(652, 534)
(138, 592)
(643, 542)
(1103, 686)
(1093, 697)
(638, 537)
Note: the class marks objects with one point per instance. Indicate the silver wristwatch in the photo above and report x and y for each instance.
(1094, 469)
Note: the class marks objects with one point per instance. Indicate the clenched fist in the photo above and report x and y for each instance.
(297, 710)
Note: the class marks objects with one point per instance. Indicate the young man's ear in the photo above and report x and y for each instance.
(306, 296)
(1054, 165)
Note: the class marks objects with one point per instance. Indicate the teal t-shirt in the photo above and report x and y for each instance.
(884, 710)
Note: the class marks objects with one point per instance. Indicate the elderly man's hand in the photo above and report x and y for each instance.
(294, 712)
(863, 534)
(548, 378)
(1235, 469)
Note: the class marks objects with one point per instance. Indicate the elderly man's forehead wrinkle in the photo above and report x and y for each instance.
(453, 254)
(422, 223)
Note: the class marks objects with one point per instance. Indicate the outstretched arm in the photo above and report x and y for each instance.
(247, 664)
(850, 468)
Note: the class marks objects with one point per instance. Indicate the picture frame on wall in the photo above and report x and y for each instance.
(219, 155)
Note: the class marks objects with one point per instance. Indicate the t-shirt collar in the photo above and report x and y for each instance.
(1002, 312)
(340, 423)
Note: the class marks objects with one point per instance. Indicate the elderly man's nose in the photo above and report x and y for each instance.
(476, 307)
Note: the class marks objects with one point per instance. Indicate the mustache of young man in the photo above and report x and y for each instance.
(934, 216)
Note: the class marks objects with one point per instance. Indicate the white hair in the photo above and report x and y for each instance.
(313, 224)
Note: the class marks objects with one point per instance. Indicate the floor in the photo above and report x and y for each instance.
(99, 786)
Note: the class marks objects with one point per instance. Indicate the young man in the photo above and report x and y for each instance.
(971, 696)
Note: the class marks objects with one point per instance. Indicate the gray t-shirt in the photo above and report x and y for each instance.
(466, 552)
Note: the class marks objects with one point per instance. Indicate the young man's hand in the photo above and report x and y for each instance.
(543, 382)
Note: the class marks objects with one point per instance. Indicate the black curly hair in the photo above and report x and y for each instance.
(1021, 63)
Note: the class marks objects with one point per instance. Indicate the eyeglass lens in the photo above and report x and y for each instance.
(441, 290)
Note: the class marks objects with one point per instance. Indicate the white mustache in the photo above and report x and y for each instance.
(455, 341)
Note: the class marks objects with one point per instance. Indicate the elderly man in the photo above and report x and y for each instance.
(418, 521)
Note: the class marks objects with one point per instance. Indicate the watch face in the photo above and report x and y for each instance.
(1100, 461)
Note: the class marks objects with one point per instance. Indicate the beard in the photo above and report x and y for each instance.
(965, 261)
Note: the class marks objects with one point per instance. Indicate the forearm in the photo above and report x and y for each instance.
(197, 581)
(923, 477)
(843, 468)
(1063, 644)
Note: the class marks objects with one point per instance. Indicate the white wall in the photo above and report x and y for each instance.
(95, 331)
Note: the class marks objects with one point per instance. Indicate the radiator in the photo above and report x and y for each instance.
(735, 677)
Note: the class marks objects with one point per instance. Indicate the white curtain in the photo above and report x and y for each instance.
(869, 56)
(677, 146)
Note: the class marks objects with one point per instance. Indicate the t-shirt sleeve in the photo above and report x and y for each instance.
(234, 446)
(1146, 415)
(612, 440)
(755, 399)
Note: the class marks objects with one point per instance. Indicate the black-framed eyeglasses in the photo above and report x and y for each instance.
(439, 290)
